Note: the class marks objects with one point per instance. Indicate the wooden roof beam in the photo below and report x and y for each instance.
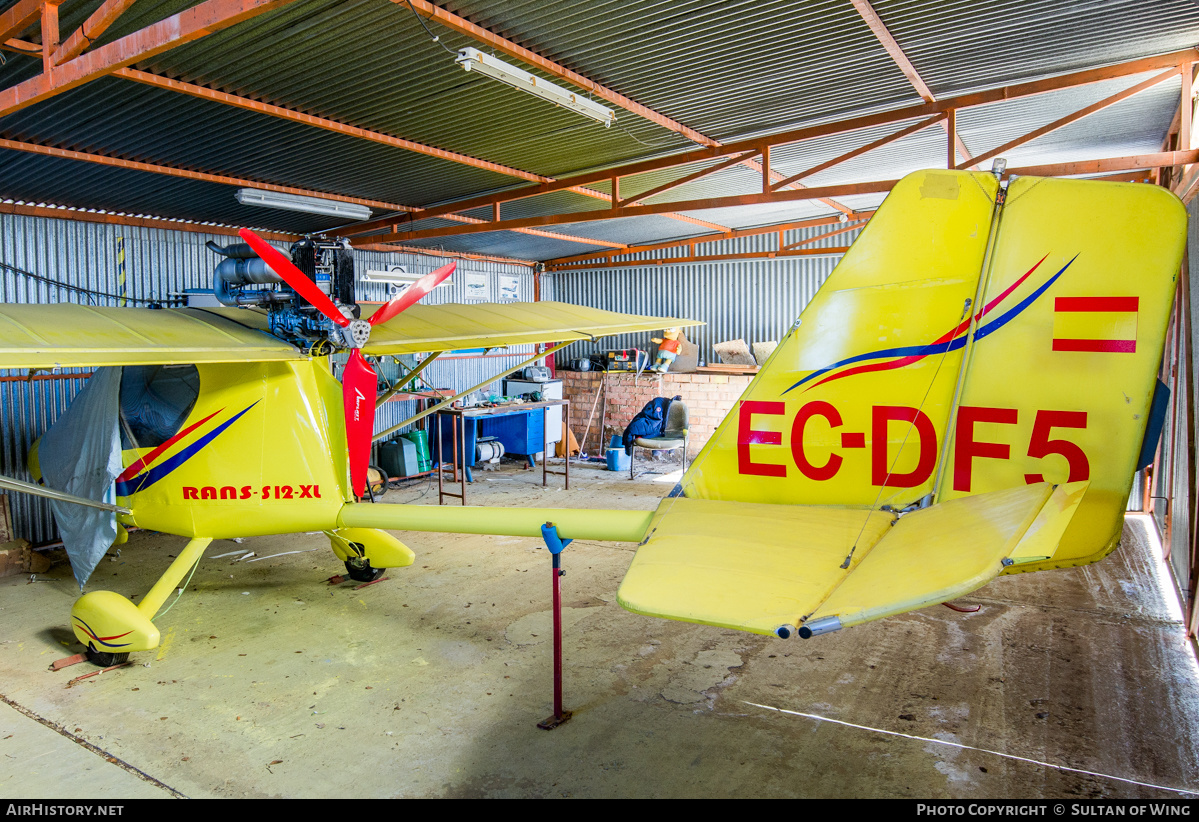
(823, 236)
(247, 104)
(690, 178)
(734, 201)
(1108, 164)
(883, 35)
(849, 155)
(1003, 93)
(86, 215)
(582, 260)
(1132, 162)
(606, 259)
(19, 17)
(549, 235)
(712, 258)
(1061, 122)
(184, 27)
(172, 171)
(90, 31)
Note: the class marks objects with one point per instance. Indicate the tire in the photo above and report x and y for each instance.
(360, 570)
(105, 659)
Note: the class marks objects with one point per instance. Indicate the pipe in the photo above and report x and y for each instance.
(240, 251)
(239, 271)
(823, 625)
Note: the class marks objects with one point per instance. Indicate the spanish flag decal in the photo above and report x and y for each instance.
(1097, 324)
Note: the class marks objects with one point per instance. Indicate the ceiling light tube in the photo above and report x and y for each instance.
(475, 60)
(396, 275)
(307, 205)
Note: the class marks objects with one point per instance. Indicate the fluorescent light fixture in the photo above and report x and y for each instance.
(475, 60)
(397, 279)
(308, 205)
(396, 275)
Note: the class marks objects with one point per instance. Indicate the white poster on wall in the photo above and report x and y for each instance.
(477, 287)
(509, 287)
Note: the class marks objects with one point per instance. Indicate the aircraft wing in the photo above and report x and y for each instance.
(451, 326)
(760, 567)
(67, 334)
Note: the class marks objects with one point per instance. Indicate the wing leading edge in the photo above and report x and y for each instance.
(71, 335)
(452, 326)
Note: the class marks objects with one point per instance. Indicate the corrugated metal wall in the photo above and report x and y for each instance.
(161, 264)
(755, 300)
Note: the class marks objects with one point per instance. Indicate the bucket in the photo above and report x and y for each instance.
(618, 460)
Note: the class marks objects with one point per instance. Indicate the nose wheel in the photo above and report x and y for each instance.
(360, 570)
(104, 659)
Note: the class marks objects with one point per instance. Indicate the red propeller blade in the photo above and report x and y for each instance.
(294, 277)
(412, 295)
(359, 388)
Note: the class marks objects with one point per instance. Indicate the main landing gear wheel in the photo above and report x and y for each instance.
(105, 659)
(360, 570)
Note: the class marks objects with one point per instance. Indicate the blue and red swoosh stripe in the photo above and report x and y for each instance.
(130, 482)
(103, 640)
(952, 340)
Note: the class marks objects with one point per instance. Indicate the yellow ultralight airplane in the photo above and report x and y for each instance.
(966, 396)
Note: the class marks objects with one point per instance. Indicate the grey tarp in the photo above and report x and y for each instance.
(81, 455)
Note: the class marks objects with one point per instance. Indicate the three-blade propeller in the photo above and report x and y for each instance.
(358, 381)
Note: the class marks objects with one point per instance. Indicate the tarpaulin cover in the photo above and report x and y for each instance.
(81, 455)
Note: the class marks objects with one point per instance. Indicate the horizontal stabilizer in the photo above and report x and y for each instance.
(1041, 540)
(744, 565)
(937, 554)
(774, 568)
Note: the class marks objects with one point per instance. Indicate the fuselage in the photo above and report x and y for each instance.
(261, 451)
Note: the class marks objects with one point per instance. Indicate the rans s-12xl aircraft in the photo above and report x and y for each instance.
(966, 396)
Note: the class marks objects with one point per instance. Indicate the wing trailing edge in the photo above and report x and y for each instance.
(772, 569)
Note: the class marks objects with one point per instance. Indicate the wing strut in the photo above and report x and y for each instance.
(49, 493)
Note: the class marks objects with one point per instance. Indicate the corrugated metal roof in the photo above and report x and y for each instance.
(729, 70)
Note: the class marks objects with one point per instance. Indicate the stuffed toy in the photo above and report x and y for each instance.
(668, 349)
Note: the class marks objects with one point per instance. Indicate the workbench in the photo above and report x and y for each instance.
(520, 428)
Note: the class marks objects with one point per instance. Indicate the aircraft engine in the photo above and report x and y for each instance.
(246, 280)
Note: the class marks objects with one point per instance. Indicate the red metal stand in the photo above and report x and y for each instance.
(549, 533)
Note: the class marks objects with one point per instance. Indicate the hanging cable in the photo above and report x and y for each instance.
(90, 293)
(435, 38)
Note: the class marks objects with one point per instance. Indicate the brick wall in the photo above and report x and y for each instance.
(709, 397)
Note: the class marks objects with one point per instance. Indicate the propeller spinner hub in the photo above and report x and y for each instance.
(357, 333)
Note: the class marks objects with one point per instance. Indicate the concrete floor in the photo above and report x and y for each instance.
(272, 683)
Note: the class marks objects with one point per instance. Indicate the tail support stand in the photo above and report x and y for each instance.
(549, 532)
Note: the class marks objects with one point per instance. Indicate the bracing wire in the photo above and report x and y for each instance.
(898, 454)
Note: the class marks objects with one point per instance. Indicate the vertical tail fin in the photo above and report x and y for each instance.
(968, 342)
